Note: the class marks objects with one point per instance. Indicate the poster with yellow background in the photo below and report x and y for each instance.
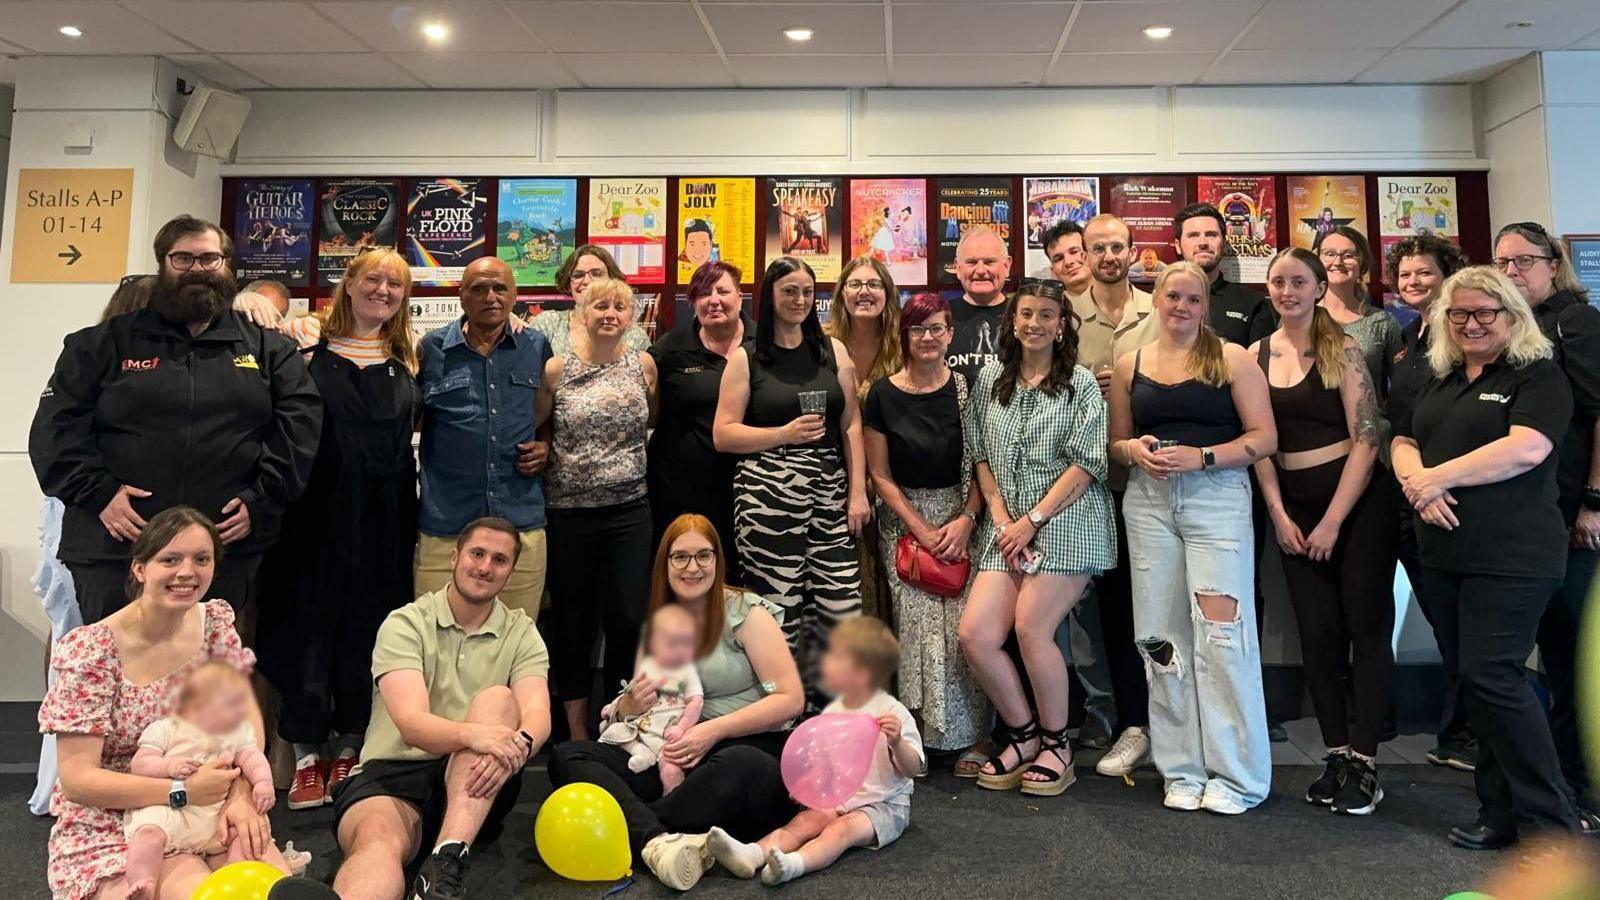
(716, 221)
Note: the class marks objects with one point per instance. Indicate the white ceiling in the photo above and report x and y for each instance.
(858, 43)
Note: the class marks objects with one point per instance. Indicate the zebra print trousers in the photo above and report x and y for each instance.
(794, 540)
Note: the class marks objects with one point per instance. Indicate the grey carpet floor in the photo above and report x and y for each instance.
(1101, 839)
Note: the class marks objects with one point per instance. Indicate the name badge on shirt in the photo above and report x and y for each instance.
(1495, 398)
(1234, 314)
(692, 370)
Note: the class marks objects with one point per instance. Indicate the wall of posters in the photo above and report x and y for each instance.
(356, 214)
(1148, 203)
(1050, 201)
(445, 228)
(716, 221)
(429, 313)
(1249, 207)
(536, 227)
(628, 217)
(889, 222)
(272, 231)
(1320, 203)
(1410, 205)
(963, 204)
(803, 222)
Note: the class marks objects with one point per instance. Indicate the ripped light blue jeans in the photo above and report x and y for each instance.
(1191, 535)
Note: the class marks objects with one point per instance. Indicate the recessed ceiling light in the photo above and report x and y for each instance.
(1158, 32)
(1522, 24)
(436, 31)
(71, 31)
(798, 34)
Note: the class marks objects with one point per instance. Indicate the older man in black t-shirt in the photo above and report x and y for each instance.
(982, 265)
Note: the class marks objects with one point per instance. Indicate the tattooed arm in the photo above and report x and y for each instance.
(1361, 418)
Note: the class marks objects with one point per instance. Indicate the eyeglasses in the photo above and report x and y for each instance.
(1523, 262)
(589, 274)
(703, 558)
(855, 284)
(1104, 249)
(1485, 316)
(938, 331)
(183, 262)
(1339, 255)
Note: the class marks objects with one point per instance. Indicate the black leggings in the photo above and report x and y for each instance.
(736, 786)
(1114, 589)
(599, 577)
(1345, 605)
(1559, 629)
(1454, 729)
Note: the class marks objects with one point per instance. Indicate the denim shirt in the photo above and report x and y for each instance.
(476, 410)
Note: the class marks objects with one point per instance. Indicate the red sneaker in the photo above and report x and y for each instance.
(339, 770)
(310, 787)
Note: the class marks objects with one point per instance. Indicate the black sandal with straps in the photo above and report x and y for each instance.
(1003, 778)
(1056, 782)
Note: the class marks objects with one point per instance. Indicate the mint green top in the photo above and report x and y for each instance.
(729, 680)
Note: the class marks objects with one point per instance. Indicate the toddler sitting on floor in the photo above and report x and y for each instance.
(670, 643)
(212, 726)
(862, 657)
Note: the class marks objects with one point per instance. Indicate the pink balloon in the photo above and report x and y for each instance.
(825, 760)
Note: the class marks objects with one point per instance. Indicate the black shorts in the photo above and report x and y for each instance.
(420, 783)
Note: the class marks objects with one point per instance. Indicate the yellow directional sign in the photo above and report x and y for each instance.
(72, 225)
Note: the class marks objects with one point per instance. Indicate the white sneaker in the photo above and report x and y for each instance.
(677, 860)
(1131, 751)
(1223, 804)
(1182, 797)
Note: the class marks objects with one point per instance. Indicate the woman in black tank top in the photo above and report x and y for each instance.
(1333, 523)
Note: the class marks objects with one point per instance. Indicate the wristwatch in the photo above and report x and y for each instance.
(526, 737)
(1207, 458)
(1591, 498)
(971, 515)
(1037, 520)
(178, 796)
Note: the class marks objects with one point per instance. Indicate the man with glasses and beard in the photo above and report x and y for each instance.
(181, 403)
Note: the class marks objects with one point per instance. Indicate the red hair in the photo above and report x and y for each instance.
(917, 310)
(661, 589)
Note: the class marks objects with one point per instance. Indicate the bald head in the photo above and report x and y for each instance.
(488, 289)
(982, 265)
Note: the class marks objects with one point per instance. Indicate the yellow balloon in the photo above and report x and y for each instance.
(238, 881)
(581, 834)
(1589, 674)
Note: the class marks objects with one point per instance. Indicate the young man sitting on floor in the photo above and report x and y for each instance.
(460, 705)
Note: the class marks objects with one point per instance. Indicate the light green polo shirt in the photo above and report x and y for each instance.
(423, 636)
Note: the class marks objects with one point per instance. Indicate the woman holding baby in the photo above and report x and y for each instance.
(749, 689)
(115, 678)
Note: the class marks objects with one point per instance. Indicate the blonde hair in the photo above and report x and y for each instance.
(1527, 343)
(871, 644)
(1327, 338)
(1206, 362)
(610, 289)
(887, 358)
(339, 320)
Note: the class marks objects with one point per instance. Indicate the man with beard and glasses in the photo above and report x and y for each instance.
(1238, 315)
(183, 403)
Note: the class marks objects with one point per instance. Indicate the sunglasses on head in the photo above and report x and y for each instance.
(1044, 287)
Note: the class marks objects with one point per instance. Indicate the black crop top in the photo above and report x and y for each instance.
(1190, 412)
(1309, 416)
(775, 389)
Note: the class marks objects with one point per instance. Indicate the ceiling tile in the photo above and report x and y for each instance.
(1482, 23)
(1196, 24)
(1413, 65)
(1289, 66)
(758, 27)
(645, 70)
(1592, 42)
(774, 70)
(108, 29)
(486, 70)
(223, 27)
(1104, 69)
(609, 27)
(988, 27)
(970, 70)
(215, 71)
(1322, 24)
(390, 27)
(323, 70)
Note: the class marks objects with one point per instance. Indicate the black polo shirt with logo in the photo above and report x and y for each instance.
(1239, 315)
(1574, 327)
(1409, 371)
(682, 458)
(1512, 527)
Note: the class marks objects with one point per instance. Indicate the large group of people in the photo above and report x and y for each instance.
(757, 493)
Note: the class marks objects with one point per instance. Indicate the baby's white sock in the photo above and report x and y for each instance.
(782, 867)
(741, 859)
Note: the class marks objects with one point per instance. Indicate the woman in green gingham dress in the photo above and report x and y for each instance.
(1038, 427)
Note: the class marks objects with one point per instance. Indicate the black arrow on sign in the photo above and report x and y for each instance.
(72, 255)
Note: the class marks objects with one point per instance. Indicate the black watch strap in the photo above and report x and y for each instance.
(1591, 498)
(527, 737)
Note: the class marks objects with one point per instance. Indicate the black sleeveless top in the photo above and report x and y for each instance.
(1190, 412)
(1309, 416)
(775, 388)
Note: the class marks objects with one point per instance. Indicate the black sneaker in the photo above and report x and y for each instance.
(1324, 789)
(1276, 733)
(1463, 757)
(1361, 792)
(443, 875)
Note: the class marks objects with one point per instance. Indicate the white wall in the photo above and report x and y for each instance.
(1572, 114)
(1541, 121)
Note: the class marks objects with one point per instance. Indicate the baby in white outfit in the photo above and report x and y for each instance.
(212, 725)
(670, 644)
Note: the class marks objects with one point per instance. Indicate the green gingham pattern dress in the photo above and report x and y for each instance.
(1028, 445)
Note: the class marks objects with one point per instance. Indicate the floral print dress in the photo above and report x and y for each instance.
(91, 696)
